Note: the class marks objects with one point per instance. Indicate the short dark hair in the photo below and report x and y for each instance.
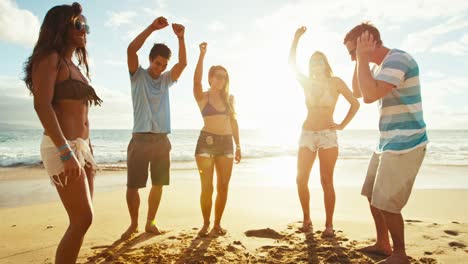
(359, 29)
(160, 49)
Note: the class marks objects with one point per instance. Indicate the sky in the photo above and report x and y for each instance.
(251, 38)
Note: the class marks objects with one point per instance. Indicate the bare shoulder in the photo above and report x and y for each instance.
(338, 83)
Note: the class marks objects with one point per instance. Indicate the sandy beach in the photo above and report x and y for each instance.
(262, 223)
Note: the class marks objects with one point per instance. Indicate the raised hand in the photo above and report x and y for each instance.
(203, 47)
(365, 45)
(300, 31)
(159, 23)
(179, 30)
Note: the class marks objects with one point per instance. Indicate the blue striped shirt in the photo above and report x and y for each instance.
(401, 123)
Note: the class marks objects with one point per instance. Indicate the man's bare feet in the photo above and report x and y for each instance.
(131, 231)
(152, 228)
(377, 250)
(306, 226)
(396, 259)
(204, 231)
(328, 232)
(218, 230)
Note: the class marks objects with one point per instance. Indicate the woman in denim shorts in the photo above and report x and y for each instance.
(214, 147)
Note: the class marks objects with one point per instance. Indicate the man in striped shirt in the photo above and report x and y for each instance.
(394, 83)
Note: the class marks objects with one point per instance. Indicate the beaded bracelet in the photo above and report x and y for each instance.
(66, 157)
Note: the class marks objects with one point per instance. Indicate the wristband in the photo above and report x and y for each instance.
(66, 157)
(64, 146)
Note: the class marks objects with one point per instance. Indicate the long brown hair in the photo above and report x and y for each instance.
(225, 91)
(53, 37)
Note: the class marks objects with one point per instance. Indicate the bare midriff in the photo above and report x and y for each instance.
(72, 116)
(318, 118)
(217, 124)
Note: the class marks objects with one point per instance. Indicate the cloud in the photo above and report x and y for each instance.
(18, 26)
(423, 41)
(216, 26)
(13, 87)
(453, 48)
(116, 19)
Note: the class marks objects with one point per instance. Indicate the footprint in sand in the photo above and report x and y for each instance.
(264, 233)
(413, 221)
(457, 245)
(451, 232)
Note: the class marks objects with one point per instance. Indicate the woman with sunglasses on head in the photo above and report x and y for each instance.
(214, 147)
(62, 97)
(321, 90)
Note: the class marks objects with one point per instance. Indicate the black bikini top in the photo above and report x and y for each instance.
(75, 90)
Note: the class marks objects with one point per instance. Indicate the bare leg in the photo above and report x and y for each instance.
(76, 198)
(305, 160)
(396, 227)
(382, 245)
(205, 168)
(133, 203)
(327, 167)
(154, 200)
(223, 172)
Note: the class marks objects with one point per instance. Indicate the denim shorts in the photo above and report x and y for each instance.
(211, 145)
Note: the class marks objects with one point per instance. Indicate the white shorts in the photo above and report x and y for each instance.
(51, 157)
(315, 140)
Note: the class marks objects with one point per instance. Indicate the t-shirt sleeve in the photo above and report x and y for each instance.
(394, 69)
(167, 79)
(136, 74)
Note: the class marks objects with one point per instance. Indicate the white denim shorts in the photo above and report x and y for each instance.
(51, 157)
(315, 140)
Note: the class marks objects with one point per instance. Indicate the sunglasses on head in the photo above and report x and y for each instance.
(220, 76)
(79, 25)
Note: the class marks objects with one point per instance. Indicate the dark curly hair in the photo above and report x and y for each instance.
(53, 38)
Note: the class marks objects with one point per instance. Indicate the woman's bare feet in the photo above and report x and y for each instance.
(377, 250)
(396, 259)
(306, 226)
(152, 228)
(328, 232)
(131, 231)
(204, 230)
(218, 230)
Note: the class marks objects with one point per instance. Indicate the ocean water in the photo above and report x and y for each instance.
(269, 160)
(21, 147)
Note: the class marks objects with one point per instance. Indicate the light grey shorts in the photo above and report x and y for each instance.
(390, 178)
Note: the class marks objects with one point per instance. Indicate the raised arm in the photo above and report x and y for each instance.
(197, 77)
(44, 76)
(371, 89)
(292, 53)
(348, 95)
(179, 67)
(137, 43)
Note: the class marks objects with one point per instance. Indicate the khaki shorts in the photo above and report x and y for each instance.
(390, 178)
(148, 150)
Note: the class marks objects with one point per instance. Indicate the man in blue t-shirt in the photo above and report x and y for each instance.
(394, 83)
(149, 146)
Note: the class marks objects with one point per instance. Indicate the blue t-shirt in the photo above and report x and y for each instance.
(401, 123)
(150, 98)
